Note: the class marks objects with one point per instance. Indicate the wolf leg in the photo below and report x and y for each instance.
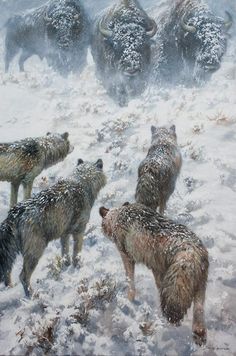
(27, 190)
(65, 250)
(14, 193)
(157, 279)
(29, 264)
(7, 279)
(78, 244)
(129, 266)
(199, 328)
(162, 205)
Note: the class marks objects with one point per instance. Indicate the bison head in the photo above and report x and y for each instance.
(63, 25)
(204, 42)
(128, 45)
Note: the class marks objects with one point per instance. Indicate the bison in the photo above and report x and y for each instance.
(121, 48)
(57, 31)
(190, 42)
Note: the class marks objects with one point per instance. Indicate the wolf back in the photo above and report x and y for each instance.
(158, 172)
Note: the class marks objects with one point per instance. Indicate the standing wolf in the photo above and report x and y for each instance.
(54, 213)
(158, 172)
(22, 161)
(176, 256)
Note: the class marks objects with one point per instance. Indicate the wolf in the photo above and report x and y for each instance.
(158, 172)
(22, 161)
(174, 254)
(56, 212)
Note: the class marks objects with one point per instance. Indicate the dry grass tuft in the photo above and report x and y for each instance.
(102, 292)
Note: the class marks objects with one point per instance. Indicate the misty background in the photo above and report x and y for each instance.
(10, 7)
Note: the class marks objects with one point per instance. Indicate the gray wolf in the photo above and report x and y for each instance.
(56, 212)
(22, 161)
(58, 31)
(174, 254)
(158, 172)
(191, 41)
(121, 48)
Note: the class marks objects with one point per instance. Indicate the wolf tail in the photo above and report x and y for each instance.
(146, 192)
(9, 247)
(180, 283)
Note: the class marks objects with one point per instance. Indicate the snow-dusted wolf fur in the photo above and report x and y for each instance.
(22, 161)
(56, 212)
(158, 172)
(175, 255)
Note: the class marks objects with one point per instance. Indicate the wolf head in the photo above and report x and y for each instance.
(55, 147)
(91, 174)
(163, 134)
(109, 218)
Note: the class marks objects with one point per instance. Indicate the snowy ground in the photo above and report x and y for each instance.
(38, 101)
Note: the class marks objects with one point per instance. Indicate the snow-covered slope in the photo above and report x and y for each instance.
(85, 310)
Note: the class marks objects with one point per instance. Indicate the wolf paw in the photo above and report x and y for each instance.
(131, 295)
(77, 261)
(200, 336)
(66, 261)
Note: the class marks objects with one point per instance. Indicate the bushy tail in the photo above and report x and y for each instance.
(146, 191)
(9, 248)
(177, 291)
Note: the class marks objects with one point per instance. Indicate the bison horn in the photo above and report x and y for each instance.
(47, 18)
(104, 31)
(153, 29)
(186, 27)
(229, 21)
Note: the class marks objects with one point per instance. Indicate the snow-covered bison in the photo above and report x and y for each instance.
(191, 41)
(57, 31)
(121, 49)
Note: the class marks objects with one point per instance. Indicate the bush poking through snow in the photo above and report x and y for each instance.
(41, 339)
(102, 292)
(147, 328)
(55, 267)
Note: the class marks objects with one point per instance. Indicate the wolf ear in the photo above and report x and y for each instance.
(80, 161)
(172, 129)
(65, 135)
(99, 163)
(126, 203)
(103, 211)
(153, 129)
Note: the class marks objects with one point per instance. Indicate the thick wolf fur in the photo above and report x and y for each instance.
(175, 255)
(158, 172)
(54, 213)
(22, 161)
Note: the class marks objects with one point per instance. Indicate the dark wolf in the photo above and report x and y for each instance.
(57, 31)
(158, 172)
(121, 48)
(54, 213)
(191, 42)
(175, 255)
(22, 161)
